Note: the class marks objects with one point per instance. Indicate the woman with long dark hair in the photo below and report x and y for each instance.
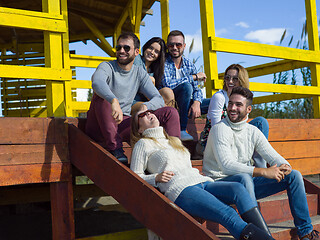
(152, 60)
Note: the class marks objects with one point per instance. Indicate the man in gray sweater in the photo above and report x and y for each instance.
(115, 84)
(228, 155)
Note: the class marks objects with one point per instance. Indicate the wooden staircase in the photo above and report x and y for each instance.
(42, 151)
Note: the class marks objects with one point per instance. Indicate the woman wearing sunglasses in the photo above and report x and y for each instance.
(169, 168)
(152, 60)
(235, 75)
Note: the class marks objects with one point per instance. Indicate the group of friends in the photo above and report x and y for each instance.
(147, 99)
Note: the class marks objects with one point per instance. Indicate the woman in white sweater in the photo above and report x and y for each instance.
(235, 75)
(168, 166)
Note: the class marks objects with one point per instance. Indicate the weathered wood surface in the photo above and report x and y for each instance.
(33, 150)
(131, 191)
(62, 212)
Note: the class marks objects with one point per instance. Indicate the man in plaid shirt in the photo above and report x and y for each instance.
(180, 74)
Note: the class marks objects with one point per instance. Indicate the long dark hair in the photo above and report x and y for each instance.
(157, 67)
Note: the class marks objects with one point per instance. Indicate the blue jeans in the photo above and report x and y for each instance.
(262, 124)
(183, 95)
(260, 187)
(210, 200)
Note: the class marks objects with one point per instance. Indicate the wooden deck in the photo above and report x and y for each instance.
(37, 154)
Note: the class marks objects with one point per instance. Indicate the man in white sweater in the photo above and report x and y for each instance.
(228, 157)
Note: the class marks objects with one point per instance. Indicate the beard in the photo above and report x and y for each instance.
(125, 61)
(241, 116)
(177, 55)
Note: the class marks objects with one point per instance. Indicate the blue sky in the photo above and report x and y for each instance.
(248, 20)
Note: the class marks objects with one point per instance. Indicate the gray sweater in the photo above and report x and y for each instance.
(109, 81)
(230, 148)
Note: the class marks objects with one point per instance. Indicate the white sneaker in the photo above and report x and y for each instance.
(186, 136)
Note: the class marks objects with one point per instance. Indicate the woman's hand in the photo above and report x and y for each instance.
(164, 177)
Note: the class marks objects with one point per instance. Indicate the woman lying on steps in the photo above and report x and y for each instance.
(169, 168)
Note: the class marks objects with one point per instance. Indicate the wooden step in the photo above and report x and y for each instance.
(280, 231)
(275, 209)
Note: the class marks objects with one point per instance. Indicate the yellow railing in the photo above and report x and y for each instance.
(292, 59)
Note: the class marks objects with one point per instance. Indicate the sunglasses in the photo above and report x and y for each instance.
(141, 115)
(178, 45)
(228, 78)
(126, 48)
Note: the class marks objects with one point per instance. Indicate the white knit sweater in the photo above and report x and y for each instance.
(158, 156)
(230, 148)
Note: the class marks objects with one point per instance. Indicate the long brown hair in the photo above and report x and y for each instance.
(135, 136)
(157, 67)
(242, 75)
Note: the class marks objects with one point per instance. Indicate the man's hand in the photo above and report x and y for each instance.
(285, 168)
(164, 177)
(272, 172)
(117, 113)
(195, 111)
(202, 76)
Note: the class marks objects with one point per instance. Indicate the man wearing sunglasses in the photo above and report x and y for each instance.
(180, 74)
(115, 84)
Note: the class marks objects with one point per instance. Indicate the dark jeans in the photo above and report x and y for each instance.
(183, 95)
(102, 128)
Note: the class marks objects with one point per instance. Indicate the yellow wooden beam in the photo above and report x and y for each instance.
(209, 57)
(282, 88)
(278, 98)
(10, 71)
(313, 40)
(138, 13)
(66, 60)
(87, 61)
(165, 20)
(53, 50)
(273, 67)
(96, 32)
(29, 83)
(80, 106)
(31, 20)
(32, 112)
(263, 50)
(86, 84)
(119, 24)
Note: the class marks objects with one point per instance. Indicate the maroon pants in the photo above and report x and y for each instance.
(102, 128)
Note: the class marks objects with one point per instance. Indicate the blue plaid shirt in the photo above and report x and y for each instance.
(188, 69)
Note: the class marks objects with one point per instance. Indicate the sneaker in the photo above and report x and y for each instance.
(185, 136)
(119, 154)
(314, 235)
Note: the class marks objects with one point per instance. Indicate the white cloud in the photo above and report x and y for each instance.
(242, 24)
(197, 45)
(269, 36)
(220, 32)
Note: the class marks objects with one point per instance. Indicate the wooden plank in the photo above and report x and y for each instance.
(307, 166)
(34, 173)
(32, 130)
(41, 193)
(131, 191)
(31, 154)
(297, 149)
(62, 210)
(293, 129)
